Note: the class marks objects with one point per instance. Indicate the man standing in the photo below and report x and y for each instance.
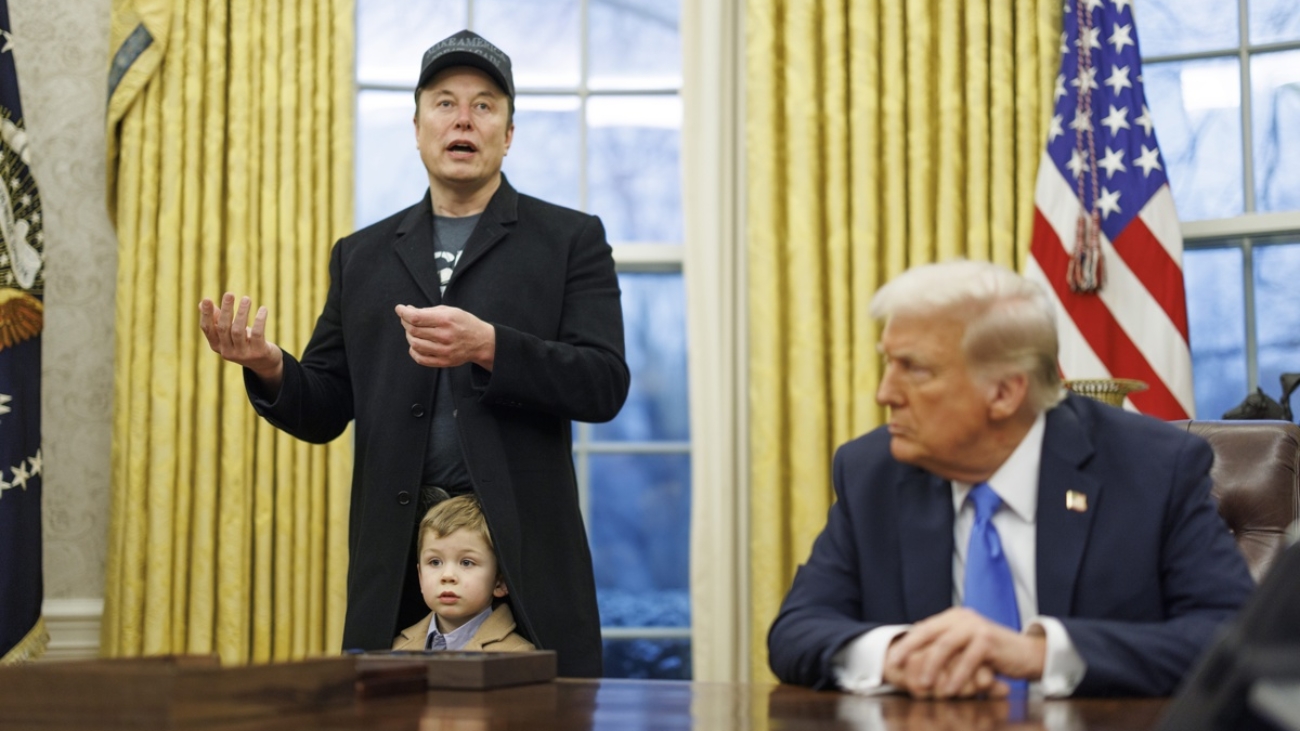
(463, 334)
(998, 531)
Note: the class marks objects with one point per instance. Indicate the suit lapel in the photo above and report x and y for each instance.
(1062, 532)
(925, 533)
(414, 246)
(501, 212)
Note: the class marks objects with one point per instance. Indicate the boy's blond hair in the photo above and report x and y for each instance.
(462, 512)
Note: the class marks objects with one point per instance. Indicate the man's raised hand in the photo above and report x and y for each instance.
(230, 336)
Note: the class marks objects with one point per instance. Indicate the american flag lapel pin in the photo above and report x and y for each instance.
(1076, 501)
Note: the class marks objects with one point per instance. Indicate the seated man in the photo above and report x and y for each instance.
(993, 502)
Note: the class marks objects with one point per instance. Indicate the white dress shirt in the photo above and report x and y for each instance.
(859, 666)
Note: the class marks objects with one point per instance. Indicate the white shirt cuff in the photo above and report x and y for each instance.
(859, 666)
(1063, 668)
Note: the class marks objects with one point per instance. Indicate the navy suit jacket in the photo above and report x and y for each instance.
(1140, 580)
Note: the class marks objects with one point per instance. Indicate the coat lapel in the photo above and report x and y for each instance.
(925, 532)
(414, 637)
(414, 246)
(501, 213)
(499, 624)
(1064, 521)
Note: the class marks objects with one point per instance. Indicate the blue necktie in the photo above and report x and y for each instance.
(988, 587)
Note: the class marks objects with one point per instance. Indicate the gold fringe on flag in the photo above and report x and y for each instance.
(30, 647)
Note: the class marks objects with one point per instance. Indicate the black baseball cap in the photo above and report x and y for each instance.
(467, 48)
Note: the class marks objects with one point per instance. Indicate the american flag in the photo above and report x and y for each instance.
(1106, 239)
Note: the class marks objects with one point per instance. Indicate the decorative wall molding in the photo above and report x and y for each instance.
(74, 628)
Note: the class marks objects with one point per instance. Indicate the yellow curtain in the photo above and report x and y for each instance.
(230, 169)
(880, 134)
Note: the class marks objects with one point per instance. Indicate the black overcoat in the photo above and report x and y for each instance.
(544, 276)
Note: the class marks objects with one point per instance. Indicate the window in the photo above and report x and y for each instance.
(597, 128)
(1223, 84)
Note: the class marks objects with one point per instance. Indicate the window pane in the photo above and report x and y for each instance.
(635, 186)
(540, 36)
(1273, 21)
(654, 335)
(1216, 316)
(1197, 110)
(650, 659)
(1275, 110)
(1177, 26)
(545, 153)
(640, 536)
(389, 173)
(1277, 311)
(392, 36)
(635, 44)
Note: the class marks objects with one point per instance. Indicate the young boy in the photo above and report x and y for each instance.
(459, 581)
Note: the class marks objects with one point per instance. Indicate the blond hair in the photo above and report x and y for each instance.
(462, 512)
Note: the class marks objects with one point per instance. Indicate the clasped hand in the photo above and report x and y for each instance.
(445, 337)
(960, 654)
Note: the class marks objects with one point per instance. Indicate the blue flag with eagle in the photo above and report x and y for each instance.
(22, 287)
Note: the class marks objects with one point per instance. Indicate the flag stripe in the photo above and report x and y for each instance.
(1161, 218)
(1132, 308)
(1099, 328)
(1074, 349)
(1160, 275)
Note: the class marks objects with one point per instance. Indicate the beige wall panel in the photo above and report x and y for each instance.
(61, 48)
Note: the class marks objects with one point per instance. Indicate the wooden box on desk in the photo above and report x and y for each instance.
(471, 670)
(168, 692)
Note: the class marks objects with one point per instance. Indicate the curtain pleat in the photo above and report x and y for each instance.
(975, 115)
(1002, 162)
(231, 156)
(879, 135)
(949, 196)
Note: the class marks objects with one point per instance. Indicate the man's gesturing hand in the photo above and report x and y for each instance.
(445, 337)
(230, 336)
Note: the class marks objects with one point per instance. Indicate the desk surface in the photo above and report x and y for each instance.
(619, 705)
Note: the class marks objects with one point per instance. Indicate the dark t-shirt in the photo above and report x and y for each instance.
(444, 462)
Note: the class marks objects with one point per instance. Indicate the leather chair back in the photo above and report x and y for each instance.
(1256, 476)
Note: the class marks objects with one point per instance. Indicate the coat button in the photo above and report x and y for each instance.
(403, 498)
(417, 410)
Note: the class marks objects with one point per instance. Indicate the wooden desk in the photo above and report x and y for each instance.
(623, 705)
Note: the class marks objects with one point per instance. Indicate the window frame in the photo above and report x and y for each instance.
(1251, 229)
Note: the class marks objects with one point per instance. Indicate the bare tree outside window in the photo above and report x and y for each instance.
(1223, 84)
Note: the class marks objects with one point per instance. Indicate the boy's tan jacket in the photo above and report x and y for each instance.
(497, 634)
